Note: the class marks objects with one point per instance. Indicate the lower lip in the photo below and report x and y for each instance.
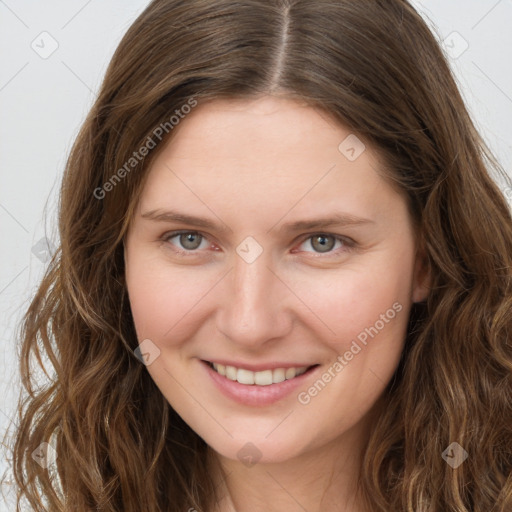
(255, 395)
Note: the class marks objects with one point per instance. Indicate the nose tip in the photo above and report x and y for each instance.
(253, 308)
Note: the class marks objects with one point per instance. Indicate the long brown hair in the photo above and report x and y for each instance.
(376, 68)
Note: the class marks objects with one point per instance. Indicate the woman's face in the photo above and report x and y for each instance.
(266, 242)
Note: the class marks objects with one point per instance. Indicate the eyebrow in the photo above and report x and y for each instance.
(173, 216)
(337, 219)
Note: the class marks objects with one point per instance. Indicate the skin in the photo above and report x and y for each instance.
(252, 166)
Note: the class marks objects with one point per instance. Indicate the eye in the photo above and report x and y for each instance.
(191, 242)
(187, 241)
(325, 243)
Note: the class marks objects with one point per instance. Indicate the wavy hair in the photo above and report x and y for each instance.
(374, 66)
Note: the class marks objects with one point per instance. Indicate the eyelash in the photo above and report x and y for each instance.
(348, 244)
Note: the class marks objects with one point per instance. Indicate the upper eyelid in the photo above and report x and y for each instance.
(171, 234)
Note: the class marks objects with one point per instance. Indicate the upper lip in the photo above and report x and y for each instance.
(258, 367)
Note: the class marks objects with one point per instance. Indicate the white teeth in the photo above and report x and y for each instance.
(231, 372)
(263, 378)
(278, 375)
(245, 376)
(290, 373)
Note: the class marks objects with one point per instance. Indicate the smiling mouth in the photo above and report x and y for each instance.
(261, 378)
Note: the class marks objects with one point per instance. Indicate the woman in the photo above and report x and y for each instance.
(284, 276)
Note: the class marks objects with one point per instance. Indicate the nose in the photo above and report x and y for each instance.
(255, 305)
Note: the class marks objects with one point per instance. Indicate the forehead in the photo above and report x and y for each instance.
(279, 126)
(269, 153)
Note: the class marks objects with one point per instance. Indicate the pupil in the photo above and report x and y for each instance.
(190, 240)
(324, 246)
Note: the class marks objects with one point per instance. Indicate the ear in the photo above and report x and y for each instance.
(422, 278)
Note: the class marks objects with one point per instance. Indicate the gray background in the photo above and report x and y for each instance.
(44, 99)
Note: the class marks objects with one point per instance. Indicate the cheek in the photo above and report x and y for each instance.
(367, 314)
(163, 299)
(367, 302)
